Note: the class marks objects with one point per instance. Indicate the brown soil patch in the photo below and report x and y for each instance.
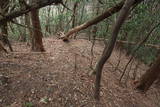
(60, 78)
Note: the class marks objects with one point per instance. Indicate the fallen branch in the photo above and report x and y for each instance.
(109, 12)
(96, 20)
(30, 52)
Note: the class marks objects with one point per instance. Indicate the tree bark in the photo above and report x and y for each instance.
(151, 75)
(108, 49)
(37, 34)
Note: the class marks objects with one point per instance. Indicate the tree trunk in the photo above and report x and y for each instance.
(28, 23)
(4, 32)
(74, 13)
(37, 34)
(151, 75)
(4, 37)
(4, 6)
(22, 31)
(47, 26)
(108, 49)
(23, 20)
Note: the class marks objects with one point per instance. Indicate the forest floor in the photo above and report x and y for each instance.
(60, 77)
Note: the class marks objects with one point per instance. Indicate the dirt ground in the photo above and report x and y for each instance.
(60, 77)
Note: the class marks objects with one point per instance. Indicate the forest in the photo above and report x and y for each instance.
(79, 53)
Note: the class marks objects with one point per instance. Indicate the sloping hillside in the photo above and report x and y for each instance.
(60, 77)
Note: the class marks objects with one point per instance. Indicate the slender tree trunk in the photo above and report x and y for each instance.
(151, 75)
(4, 6)
(22, 31)
(29, 29)
(37, 34)
(48, 27)
(4, 36)
(108, 49)
(74, 13)
(4, 29)
(28, 23)
(82, 13)
(4, 32)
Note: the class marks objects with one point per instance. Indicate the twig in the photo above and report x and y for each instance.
(75, 63)
(29, 52)
(129, 72)
(135, 71)
(119, 61)
(92, 51)
(65, 6)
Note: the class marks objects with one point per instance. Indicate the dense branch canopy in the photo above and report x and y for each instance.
(37, 5)
(109, 12)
